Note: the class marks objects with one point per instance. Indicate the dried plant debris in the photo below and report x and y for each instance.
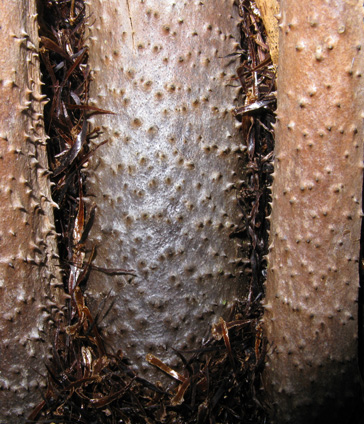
(220, 381)
(66, 78)
(257, 78)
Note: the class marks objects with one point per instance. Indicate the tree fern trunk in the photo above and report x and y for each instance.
(28, 271)
(165, 185)
(312, 289)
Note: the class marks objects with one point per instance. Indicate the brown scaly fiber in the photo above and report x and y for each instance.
(165, 185)
(29, 292)
(311, 305)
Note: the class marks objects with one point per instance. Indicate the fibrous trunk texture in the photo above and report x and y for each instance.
(28, 275)
(269, 10)
(165, 184)
(312, 287)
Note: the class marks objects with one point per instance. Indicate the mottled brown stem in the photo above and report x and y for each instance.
(29, 296)
(165, 184)
(312, 287)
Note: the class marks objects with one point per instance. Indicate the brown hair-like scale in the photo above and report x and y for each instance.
(312, 286)
(29, 278)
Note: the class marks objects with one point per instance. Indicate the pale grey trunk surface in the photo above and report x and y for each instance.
(165, 184)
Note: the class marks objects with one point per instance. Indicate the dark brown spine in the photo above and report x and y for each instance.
(311, 317)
